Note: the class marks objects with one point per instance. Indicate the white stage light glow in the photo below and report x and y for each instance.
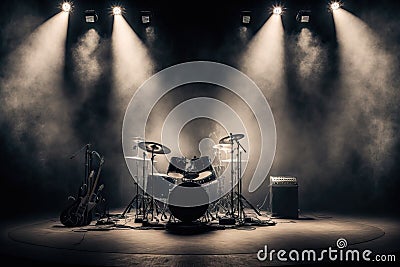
(66, 7)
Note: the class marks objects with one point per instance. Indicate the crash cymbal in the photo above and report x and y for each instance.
(155, 148)
(138, 158)
(230, 138)
(225, 147)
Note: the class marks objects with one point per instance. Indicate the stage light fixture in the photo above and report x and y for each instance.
(145, 17)
(245, 17)
(335, 5)
(303, 16)
(66, 6)
(91, 16)
(116, 10)
(277, 10)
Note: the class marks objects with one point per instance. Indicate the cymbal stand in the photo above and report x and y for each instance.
(232, 175)
(240, 197)
(137, 184)
(143, 191)
(240, 207)
(136, 198)
(152, 204)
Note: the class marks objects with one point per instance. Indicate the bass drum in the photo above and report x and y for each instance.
(188, 214)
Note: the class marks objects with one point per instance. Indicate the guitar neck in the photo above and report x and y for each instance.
(96, 180)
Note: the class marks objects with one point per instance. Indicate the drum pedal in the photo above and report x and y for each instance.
(227, 221)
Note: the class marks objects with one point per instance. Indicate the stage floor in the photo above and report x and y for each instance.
(125, 243)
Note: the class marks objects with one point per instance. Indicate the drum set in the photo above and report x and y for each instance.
(187, 173)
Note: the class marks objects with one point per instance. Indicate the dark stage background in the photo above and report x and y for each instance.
(335, 104)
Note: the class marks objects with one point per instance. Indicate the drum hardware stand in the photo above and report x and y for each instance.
(139, 197)
(240, 197)
(153, 148)
(208, 216)
(232, 174)
(163, 215)
(224, 204)
(152, 204)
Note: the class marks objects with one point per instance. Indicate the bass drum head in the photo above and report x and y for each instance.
(188, 214)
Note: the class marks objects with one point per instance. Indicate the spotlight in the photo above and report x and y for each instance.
(117, 11)
(277, 10)
(90, 16)
(146, 17)
(245, 17)
(303, 16)
(66, 7)
(335, 5)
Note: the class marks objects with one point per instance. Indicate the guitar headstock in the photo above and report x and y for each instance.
(100, 157)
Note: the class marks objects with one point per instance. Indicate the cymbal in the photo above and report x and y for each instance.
(234, 160)
(230, 138)
(160, 174)
(155, 148)
(137, 139)
(138, 158)
(225, 147)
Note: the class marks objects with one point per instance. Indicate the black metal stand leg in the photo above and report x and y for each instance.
(248, 203)
(129, 207)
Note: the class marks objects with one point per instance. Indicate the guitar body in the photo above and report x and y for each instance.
(80, 212)
(74, 215)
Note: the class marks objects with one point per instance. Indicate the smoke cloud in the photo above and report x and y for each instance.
(310, 59)
(365, 112)
(87, 60)
(32, 101)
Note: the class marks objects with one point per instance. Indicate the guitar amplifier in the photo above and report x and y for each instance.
(284, 201)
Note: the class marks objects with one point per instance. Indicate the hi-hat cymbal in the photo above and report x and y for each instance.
(230, 138)
(155, 148)
(225, 147)
(138, 158)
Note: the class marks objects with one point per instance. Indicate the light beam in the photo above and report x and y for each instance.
(31, 97)
(263, 61)
(367, 70)
(132, 64)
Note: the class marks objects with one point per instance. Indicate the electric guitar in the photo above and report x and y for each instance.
(79, 213)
